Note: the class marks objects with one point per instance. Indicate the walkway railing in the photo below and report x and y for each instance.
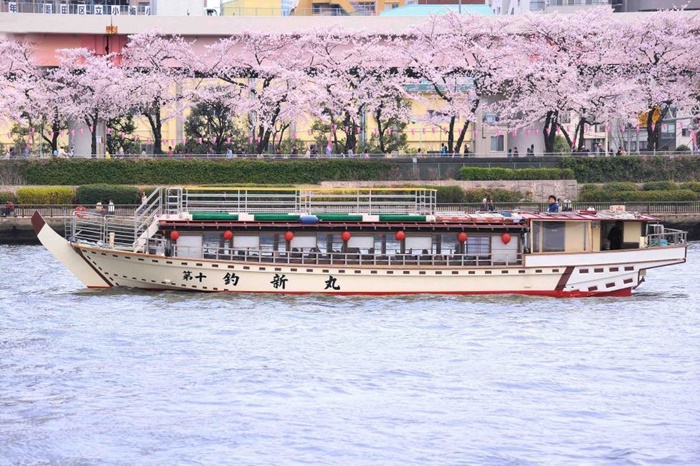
(398, 155)
(647, 208)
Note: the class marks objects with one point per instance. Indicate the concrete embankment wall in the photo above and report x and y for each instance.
(19, 230)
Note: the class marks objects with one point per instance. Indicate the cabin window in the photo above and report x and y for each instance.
(242, 241)
(329, 242)
(303, 241)
(548, 236)
(272, 242)
(416, 244)
(364, 242)
(478, 245)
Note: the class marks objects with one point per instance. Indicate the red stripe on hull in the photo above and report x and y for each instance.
(551, 294)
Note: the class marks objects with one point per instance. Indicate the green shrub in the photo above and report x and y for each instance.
(692, 185)
(45, 195)
(603, 195)
(449, 194)
(7, 196)
(637, 169)
(659, 186)
(197, 171)
(93, 193)
(682, 148)
(480, 174)
(614, 186)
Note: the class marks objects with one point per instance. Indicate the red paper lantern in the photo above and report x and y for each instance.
(345, 236)
(228, 234)
(505, 237)
(462, 237)
(289, 235)
(400, 235)
(174, 235)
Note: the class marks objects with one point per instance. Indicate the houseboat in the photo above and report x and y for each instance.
(357, 242)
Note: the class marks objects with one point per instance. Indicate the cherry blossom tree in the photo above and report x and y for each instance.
(568, 71)
(663, 48)
(155, 67)
(460, 57)
(92, 88)
(15, 71)
(266, 73)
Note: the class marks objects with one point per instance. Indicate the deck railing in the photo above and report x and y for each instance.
(665, 236)
(291, 200)
(308, 257)
(647, 208)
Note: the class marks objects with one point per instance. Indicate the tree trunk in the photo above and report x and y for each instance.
(451, 135)
(549, 131)
(380, 130)
(91, 122)
(654, 129)
(460, 138)
(264, 135)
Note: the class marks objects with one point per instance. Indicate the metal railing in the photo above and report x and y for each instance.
(292, 200)
(102, 230)
(662, 236)
(501, 156)
(646, 208)
(306, 256)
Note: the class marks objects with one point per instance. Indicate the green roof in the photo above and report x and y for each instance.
(428, 10)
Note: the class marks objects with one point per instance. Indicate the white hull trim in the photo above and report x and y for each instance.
(592, 276)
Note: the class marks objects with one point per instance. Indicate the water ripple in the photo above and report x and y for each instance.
(128, 377)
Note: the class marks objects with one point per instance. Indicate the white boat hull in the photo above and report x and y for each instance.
(586, 274)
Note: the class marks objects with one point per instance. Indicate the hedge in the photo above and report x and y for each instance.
(478, 174)
(45, 195)
(637, 169)
(604, 195)
(7, 196)
(692, 185)
(196, 171)
(659, 186)
(615, 186)
(93, 193)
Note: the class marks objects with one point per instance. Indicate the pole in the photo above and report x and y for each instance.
(460, 7)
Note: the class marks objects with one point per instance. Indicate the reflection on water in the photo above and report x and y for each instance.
(124, 377)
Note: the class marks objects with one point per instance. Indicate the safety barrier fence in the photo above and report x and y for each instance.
(522, 157)
(129, 210)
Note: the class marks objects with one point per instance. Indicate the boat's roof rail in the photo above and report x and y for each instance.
(245, 199)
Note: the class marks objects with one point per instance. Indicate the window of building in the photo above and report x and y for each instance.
(497, 143)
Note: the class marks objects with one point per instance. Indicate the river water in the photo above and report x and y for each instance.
(126, 377)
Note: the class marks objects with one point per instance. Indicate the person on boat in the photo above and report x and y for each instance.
(484, 205)
(552, 204)
(144, 202)
(567, 206)
(98, 208)
(615, 236)
(111, 210)
(489, 205)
